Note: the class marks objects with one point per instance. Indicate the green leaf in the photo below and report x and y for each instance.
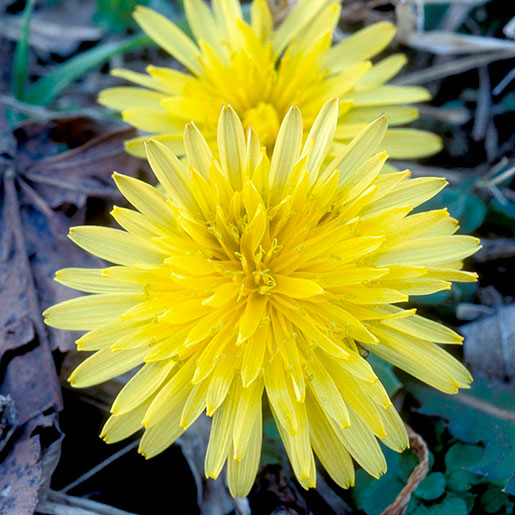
(451, 505)
(463, 480)
(385, 373)
(510, 486)
(21, 55)
(461, 455)
(432, 487)
(48, 87)
(481, 414)
(507, 209)
(374, 495)
(494, 500)
(116, 15)
(408, 460)
(469, 500)
(458, 458)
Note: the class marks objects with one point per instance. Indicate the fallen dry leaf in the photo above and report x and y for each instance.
(40, 197)
(497, 334)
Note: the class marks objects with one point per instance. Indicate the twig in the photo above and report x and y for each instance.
(507, 79)
(498, 248)
(59, 503)
(419, 447)
(241, 506)
(59, 183)
(453, 67)
(42, 113)
(99, 467)
(484, 103)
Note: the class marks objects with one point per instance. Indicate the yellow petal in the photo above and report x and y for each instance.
(425, 329)
(328, 447)
(120, 427)
(171, 396)
(172, 139)
(363, 447)
(396, 115)
(203, 24)
(248, 412)
(104, 365)
(195, 404)
(254, 312)
(172, 175)
(413, 193)
(413, 354)
(429, 251)
(106, 335)
(397, 437)
(221, 435)
(326, 393)
(286, 150)
(168, 36)
(91, 311)
(296, 288)
(171, 80)
(262, 23)
(152, 120)
(297, 20)
(157, 438)
(93, 280)
(322, 132)
(221, 379)
(358, 150)
(241, 474)
(231, 145)
(362, 45)
(277, 392)
(382, 72)
(146, 199)
(116, 246)
(148, 379)
(390, 95)
(411, 143)
(253, 353)
(197, 150)
(123, 98)
(139, 78)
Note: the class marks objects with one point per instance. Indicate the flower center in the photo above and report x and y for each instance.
(264, 119)
(262, 279)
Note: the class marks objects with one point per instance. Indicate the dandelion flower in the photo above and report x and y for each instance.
(254, 275)
(261, 71)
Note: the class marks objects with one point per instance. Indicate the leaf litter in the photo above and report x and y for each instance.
(43, 192)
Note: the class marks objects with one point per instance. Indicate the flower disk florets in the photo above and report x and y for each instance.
(252, 274)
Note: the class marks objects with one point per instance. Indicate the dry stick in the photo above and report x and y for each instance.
(99, 467)
(59, 503)
(453, 67)
(419, 447)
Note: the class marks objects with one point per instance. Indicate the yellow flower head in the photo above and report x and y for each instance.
(261, 71)
(254, 274)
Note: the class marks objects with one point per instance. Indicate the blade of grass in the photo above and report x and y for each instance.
(21, 55)
(48, 87)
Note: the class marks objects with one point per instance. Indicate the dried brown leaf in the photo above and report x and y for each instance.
(34, 221)
(497, 334)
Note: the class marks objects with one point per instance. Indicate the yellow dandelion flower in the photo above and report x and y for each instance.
(253, 275)
(261, 71)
